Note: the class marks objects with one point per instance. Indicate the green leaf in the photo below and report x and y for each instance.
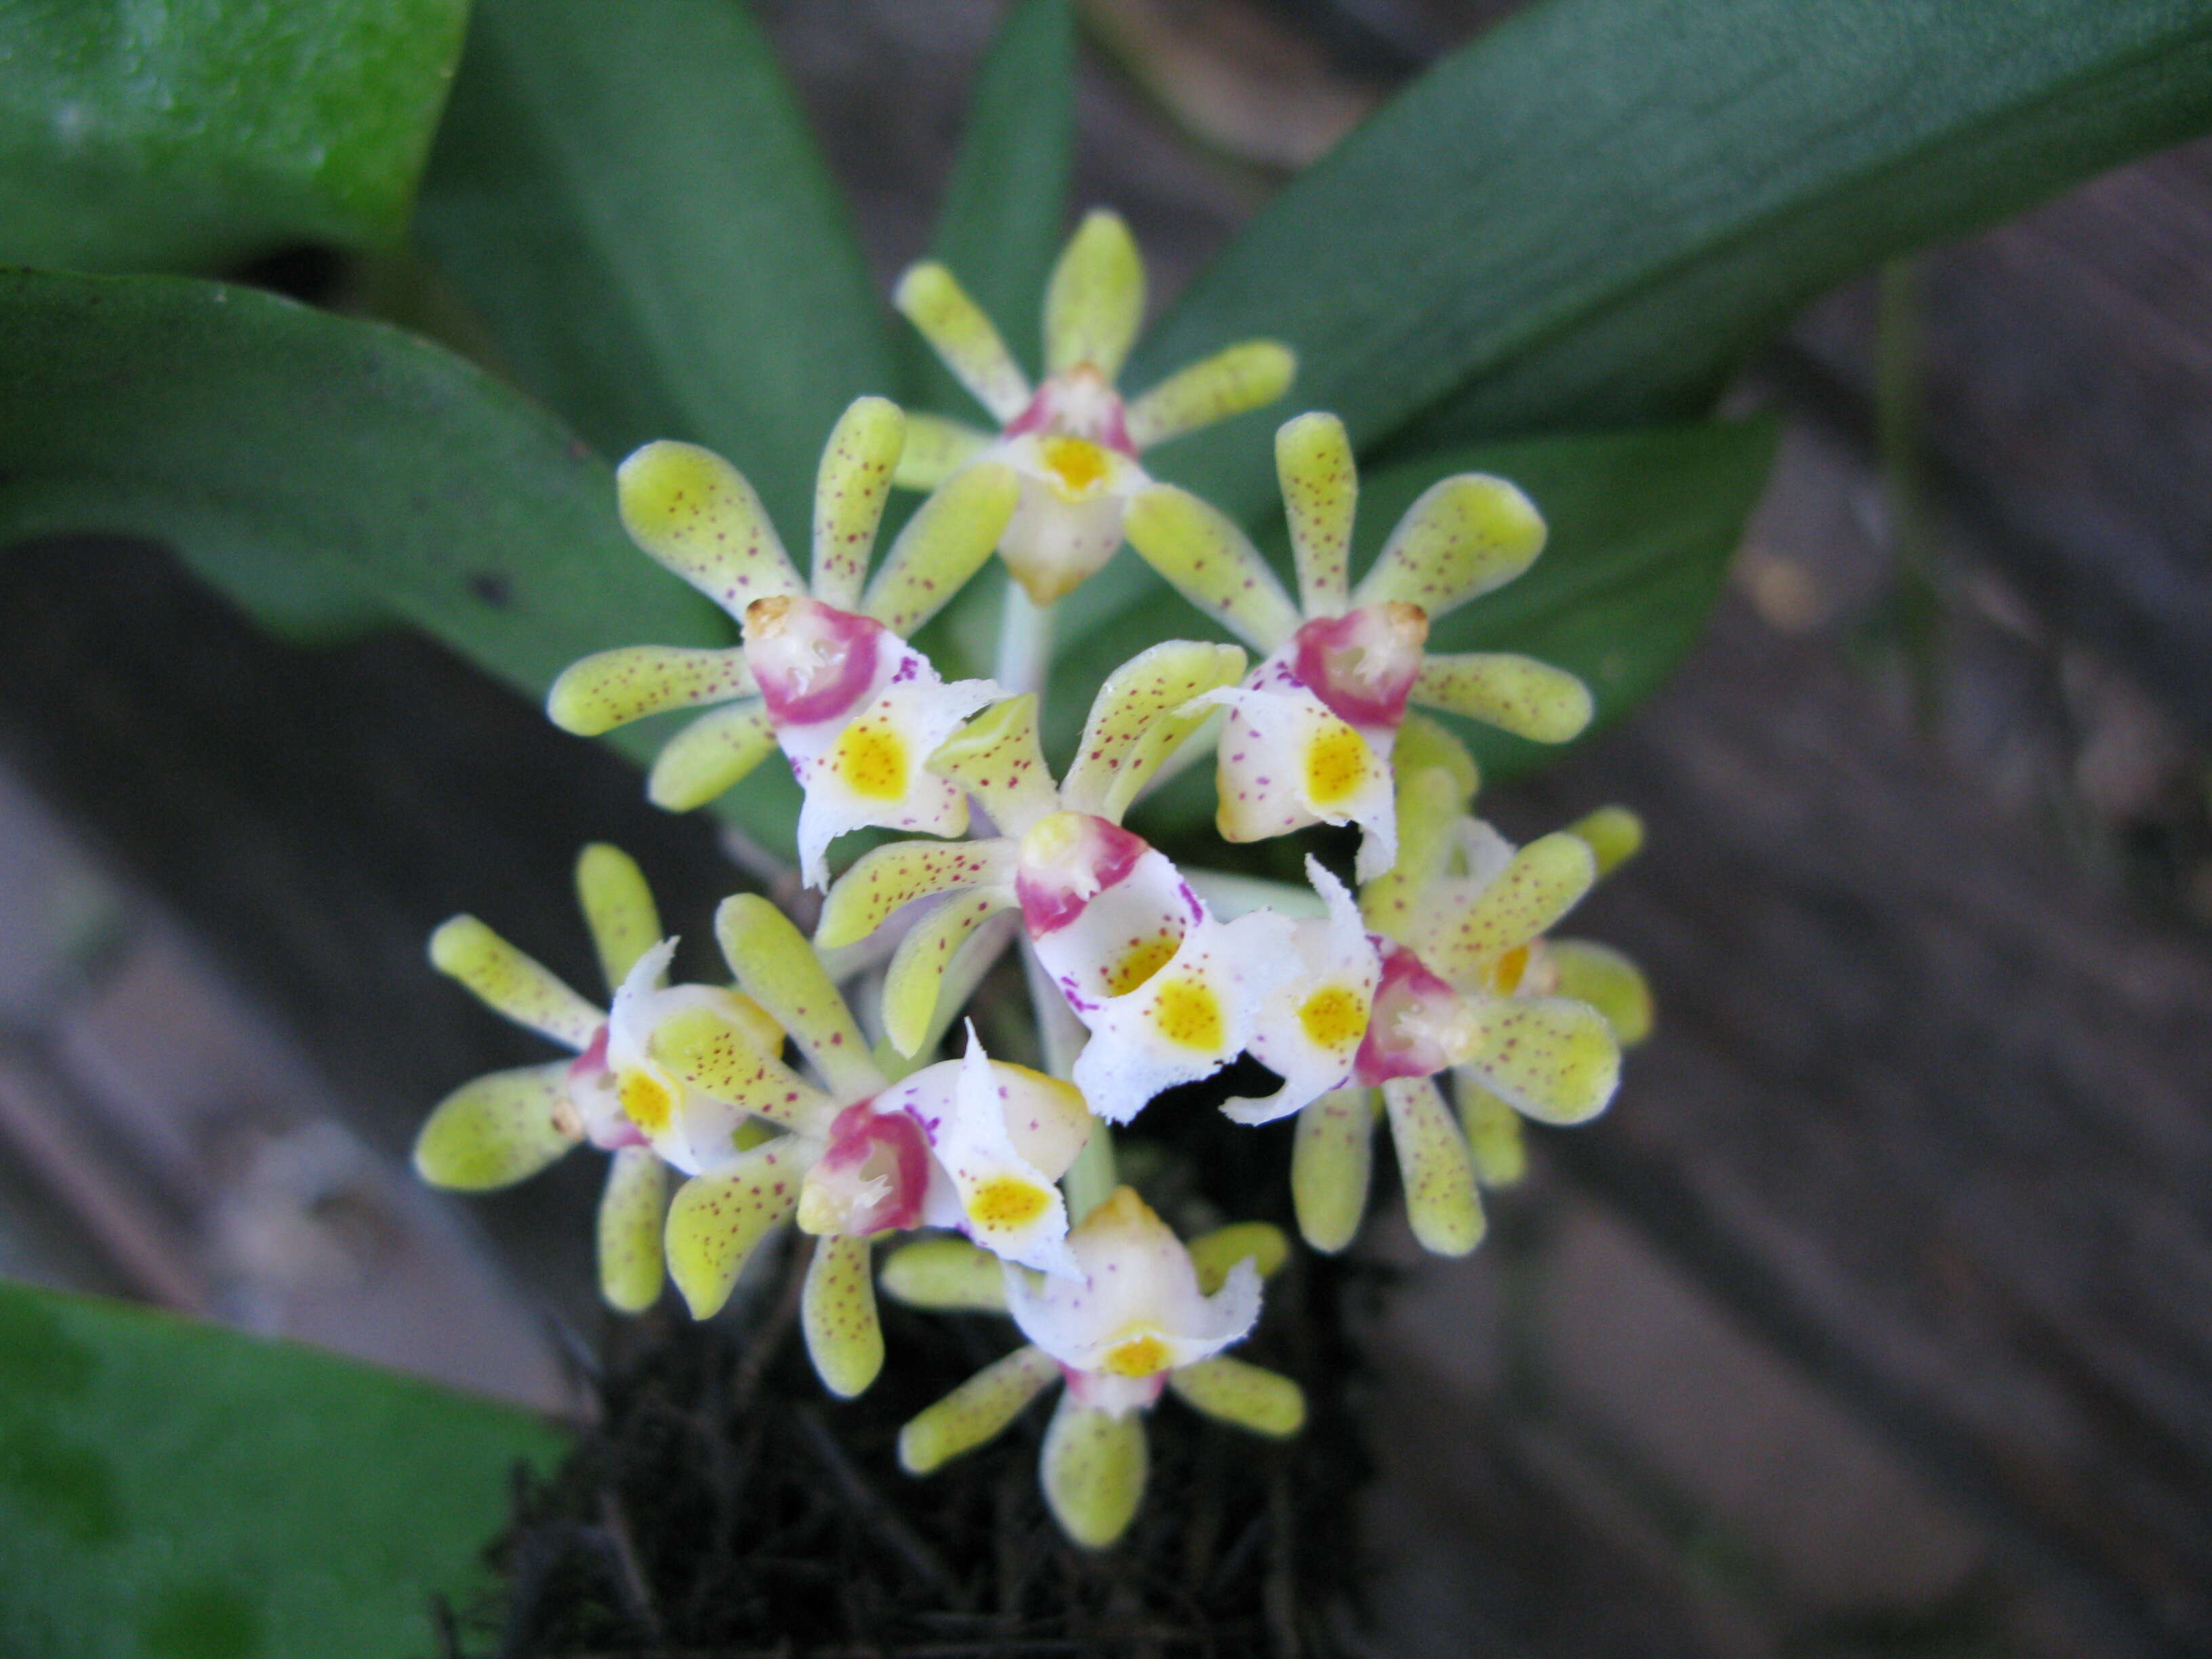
(1588, 216)
(196, 133)
(289, 455)
(181, 1491)
(1005, 208)
(629, 196)
(1642, 524)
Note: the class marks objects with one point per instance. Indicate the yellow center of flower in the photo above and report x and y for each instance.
(646, 1100)
(1140, 1356)
(1189, 1013)
(870, 761)
(1077, 465)
(1334, 1016)
(1144, 959)
(1336, 765)
(1006, 1202)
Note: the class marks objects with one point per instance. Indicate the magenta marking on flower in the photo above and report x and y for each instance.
(814, 662)
(1362, 664)
(880, 1162)
(1411, 1008)
(1054, 890)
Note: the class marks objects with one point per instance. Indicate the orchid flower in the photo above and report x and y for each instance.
(1310, 731)
(1468, 985)
(972, 1143)
(509, 1125)
(1071, 440)
(1143, 1316)
(825, 670)
(1169, 992)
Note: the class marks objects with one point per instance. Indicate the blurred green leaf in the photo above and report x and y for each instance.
(179, 1491)
(290, 456)
(1587, 217)
(629, 196)
(1005, 208)
(1642, 524)
(196, 133)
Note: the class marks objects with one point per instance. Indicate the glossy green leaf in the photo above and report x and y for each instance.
(629, 196)
(1588, 214)
(1006, 207)
(189, 135)
(174, 1490)
(1642, 527)
(289, 454)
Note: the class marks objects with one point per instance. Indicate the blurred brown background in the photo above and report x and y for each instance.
(1877, 1317)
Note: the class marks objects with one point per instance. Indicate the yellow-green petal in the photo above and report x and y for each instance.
(1466, 535)
(779, 970)
(1134, 724)
(1433, 1162)
(1615, 834)
(999, 758)
(497, 1130)
(1556, 1061)
(613, 688)
(718, 1220)
(1244, 376)
(850, 488)
(1606, 980)
(1399, 903)
(1492, 1130)
(931, 298)
(944, 543)
(1546, 879)
(727, 1062)
(977, 1411)
(1503, 689)
(714, 752)
(1211, 562)
(1093, 1470)
(510, 983)
(1424, 744)
(886, 880)
(633, 1210)
(914, 984)
(1331, 1159)
(1321, 492)
(1258, 1243)
(936, 448)
(618, 908)
(837, 1312)
(698, 515)
(1095, 299)
(946, 1275)
(1250, 1396)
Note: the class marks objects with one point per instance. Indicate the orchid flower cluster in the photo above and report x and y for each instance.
(729, 1109)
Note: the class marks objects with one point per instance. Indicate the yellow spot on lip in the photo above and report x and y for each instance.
(1189, 1013)
(1140, 1356)
(1337, 763)
(871, 761)
(646, 1100)
(1077, 465)
(1504, 974)
(1145, 958)
(1006, 1202)
(1334, 1016)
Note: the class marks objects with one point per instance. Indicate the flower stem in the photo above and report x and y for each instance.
(1024, 642)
